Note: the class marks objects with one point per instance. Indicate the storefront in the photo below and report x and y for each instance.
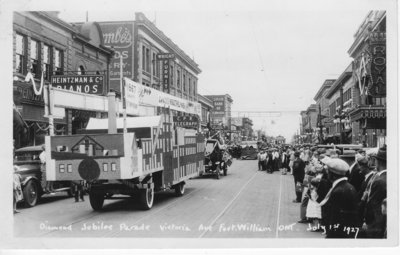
(31, 109)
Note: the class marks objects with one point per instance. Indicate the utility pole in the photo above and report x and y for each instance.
(340, 114)
(320, 124)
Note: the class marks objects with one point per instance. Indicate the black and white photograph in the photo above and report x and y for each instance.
(199, 124)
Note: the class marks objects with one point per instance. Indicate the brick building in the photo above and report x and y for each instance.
(340, 97)
(45, 45)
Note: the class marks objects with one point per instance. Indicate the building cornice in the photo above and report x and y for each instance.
(205, 100)
(326, 85)
(346, 75)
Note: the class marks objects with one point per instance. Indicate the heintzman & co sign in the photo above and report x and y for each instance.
(88, 84)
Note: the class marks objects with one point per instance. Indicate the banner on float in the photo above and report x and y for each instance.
(132, 95)
(144, 96)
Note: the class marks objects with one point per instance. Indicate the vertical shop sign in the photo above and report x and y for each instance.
(377, 47)
(166, 62)
(166, 75)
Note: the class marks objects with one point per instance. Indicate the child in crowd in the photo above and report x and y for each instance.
(313, 212)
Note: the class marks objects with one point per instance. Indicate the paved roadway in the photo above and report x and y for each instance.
(246, 203)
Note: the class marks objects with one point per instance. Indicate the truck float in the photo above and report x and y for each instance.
(130, 157)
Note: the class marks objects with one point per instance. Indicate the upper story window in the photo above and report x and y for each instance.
(20, 53)
(147, 60)
(143, 58)
(190, 86)
(46, 62)
(178, 79)
(58, 61)
(332, 109)
(154, 64)
(184, 82)
(35, 68)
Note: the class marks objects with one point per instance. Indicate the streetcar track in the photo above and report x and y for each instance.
(150, 213)
(157, 211)
(229, 204)
(154, 212)
(169, 205)
(279, 207)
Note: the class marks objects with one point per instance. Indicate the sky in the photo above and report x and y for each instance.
(268, 55)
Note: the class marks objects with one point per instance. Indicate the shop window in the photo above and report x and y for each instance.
(46, 62)
(34, 56)
(20, 53)
(58, 61)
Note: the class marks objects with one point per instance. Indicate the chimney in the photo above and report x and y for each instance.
(112, 119)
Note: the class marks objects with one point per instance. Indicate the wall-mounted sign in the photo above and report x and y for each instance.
(377, 86)
(164, 56)
(218, 106)
(186, 121)
(88, 84)
(166, 75)
(119, 37)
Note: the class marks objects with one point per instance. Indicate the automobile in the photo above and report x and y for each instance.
(345, 151)
(249, 150)
(216, 158)
(27, 165)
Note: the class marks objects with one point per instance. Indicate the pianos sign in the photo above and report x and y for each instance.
(87, 84)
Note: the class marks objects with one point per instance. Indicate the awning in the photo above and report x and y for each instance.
(18, 121)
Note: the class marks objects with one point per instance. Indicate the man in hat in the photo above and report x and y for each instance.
(375, 223)
(340, 204)
(356, 177)
(298, 174)
(367, 173)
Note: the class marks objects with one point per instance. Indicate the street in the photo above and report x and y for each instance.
(244, 204)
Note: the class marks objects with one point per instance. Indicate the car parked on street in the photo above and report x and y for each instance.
(27, 165)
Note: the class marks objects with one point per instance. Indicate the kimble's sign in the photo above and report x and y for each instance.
(88, 84)
(186, 121)
(119, 37)
(377, 86)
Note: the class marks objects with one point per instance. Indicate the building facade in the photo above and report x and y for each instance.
(206, 109)
(308, 124)
(340, 98)
(45, 48)
(368, 111)
(322, 105)
(150, 58)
